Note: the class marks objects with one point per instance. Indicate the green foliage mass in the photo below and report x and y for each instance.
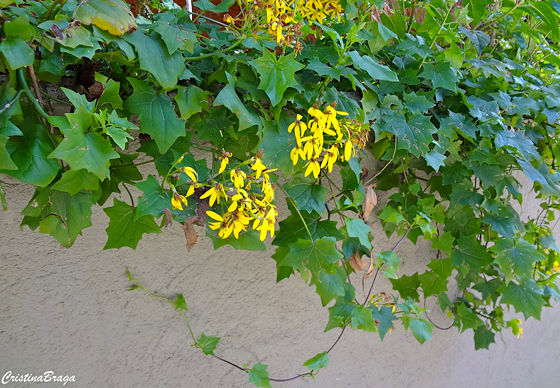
(460, 100)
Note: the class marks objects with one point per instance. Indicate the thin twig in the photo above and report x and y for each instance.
(387, 165)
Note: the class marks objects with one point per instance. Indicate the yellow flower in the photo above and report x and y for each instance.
(214, 193)
(331, 120)
(300, 128)
(191, 173)
(178, 200)
(295, 154)
(258, 167)
(330, 157)
(224, 224)
(349, 150)
(267, 224)
(224, 160)
(313, 167)
(267, 188)
(237, 177)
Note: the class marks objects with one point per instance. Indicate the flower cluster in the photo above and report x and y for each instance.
(284, 18)
(246, 197)
(329, 139)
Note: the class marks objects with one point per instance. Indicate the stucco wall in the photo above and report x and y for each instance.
(67, 310)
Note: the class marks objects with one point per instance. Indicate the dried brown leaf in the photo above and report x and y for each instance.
(190, 233)
(356, 261)
(96, 90)
(168, 219)
(369, 272)
(370, 202)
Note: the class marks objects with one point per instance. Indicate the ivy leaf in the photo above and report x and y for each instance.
(214, 126)
(6, 162)
(442, 75)
(156, 114)
(308, 195)
(465, 318)
(74, 181)
(110, 95)
(207, 343)
(441, 267)
(374, 69)
(155, 199)
(229, 98)
(319, 254)
(415, 135)
(476, 9)
(460, 123)
(259, 376)
(444, 302)
(191, 100)
(174, 37)
(384, 317)
(317, 362)
(276, 74)
(483, 338)
(478, 38)
(248, 241)
(113, 16)
(124, 229)
(526, 298)
(407, 286)
(391, 260)
(17, 53)
(329, 287)
(358, 228)
(416, 103)
(60, 214)
(521, 255)
(489, 288)
(276, 144)
(340, 312)
(445, 242)
(421, 329)
(432, 284)
(89, 151)
(205, 5)
(362, 318)
(155, 59)
(180, 303)
(470, 251)
(323, 69)
(434, 159)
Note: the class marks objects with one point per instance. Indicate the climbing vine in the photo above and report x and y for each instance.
(455, 102)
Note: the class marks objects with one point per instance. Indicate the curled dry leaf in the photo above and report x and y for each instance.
(356, 261)
(369, 272)
(370, 202)
(96, 90)
(168, 218)
(190, 233)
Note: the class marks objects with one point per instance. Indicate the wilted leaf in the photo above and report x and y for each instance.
(168, 219)
(190, 233)
(370, 202)
(356, 261)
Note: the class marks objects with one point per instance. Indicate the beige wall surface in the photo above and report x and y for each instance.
(67, 311)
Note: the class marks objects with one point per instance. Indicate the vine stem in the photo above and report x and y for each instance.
(196, 343)
(387, 165)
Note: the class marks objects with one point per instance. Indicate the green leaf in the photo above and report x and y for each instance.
(465, 318)
(421, 329)
(469, 251)
(385, 317)
(435, 159)
(228, 97)
(323, 69)
(520, 255)
(155, 199)
(259, 376)
(317, 362)
(362, 318)
(445, 242)
(110, 95)
(546, 12)
(339, 313)
(30, 154)
(180, 303)
(207, 343)
(248, 241)
(374, 69)
(205, 5)
(156, 114)
(113, 16)
(526, 298)
(432, 284)
(17, 53)
(276, 74)
(415, 135)
(329, 287)
(442, 75)
(476, 8)
(407, 286)
(358, 228)
(444, 302)
(191, 100)
(6, 162)
(59, 214)
(155, 59)
(416, 103)
(276, 144)
(124, 229)
(174, 37)
(308, 195)
(74, 181)
(392, 262)
(478, 38)
(315, 255)
(90, 151)
(483, 338)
